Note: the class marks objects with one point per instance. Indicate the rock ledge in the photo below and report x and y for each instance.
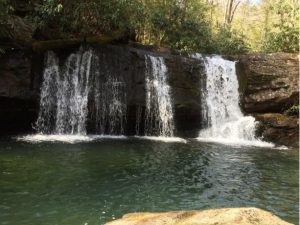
(226, 216)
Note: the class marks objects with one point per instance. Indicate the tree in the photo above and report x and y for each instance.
(231, 7)
(284, 32)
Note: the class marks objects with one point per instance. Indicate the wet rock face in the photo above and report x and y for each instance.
(227, 216)
(15, 79)
(185, 76)
(279, 128)
(21, 77)
(18, 92)
(269, 82)
(269, 86)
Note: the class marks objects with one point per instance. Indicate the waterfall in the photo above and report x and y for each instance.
(221, 113)
(158, 109)
(48, 98)
(72, 95)
(88, 90)
(109, 100)
(65, 95)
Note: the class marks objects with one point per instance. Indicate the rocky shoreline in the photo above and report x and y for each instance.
(227, 216)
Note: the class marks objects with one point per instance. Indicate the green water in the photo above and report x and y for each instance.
(75, 184)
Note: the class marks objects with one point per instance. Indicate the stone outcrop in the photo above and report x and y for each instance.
(21, 77)
(18, 91)
(269, 82)
(227, 216)
(279, 128)
(269, 87)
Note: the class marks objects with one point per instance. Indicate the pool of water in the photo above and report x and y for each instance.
(95, 182)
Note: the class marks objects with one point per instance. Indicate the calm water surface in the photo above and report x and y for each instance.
(92, 183)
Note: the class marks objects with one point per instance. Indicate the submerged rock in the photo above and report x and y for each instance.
(227, 216)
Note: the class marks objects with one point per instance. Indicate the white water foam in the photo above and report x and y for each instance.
(162, 139)
(225, 122)
(71, 139)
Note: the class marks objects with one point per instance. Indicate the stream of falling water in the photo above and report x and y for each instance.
(64, 95)
(220, 105)
(159, 119)
(109, 100)
(86, 81)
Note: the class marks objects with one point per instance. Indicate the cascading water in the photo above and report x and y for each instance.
(88, 86)
(158, 111)
(64, 95)
(44, 123)
(72, 94)
(220, 105)
(109, 100)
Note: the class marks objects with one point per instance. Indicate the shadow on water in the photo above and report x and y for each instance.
(55, 183)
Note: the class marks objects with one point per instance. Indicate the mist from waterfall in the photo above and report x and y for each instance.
(221, 113)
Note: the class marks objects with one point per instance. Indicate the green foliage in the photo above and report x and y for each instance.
(87, 17)
(285, 37)
(177, 24)
(287, 40)
(5, 10)
(191, 25)
(47, 13)
(229, 42)
(180, 25)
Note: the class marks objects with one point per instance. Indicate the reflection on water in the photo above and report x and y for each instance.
(56, 183)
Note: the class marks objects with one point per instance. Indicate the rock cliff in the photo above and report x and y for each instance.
(268, 84)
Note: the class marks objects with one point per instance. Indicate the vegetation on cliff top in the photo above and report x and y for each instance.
(208, 26)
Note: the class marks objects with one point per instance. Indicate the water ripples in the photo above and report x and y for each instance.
(95, 182)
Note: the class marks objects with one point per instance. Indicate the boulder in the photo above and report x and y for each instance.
(269, 82)
(227, 216)
(279, 128)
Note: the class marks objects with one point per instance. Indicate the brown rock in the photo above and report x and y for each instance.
(227, 216)
(269, 81)
(279, 128)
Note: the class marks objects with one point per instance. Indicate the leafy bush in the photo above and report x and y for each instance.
(285, 34)
(287, 40)
(229, 42)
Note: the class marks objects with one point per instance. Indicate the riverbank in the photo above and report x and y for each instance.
(227, 216)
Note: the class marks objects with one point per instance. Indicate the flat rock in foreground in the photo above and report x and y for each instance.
(227, 216)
